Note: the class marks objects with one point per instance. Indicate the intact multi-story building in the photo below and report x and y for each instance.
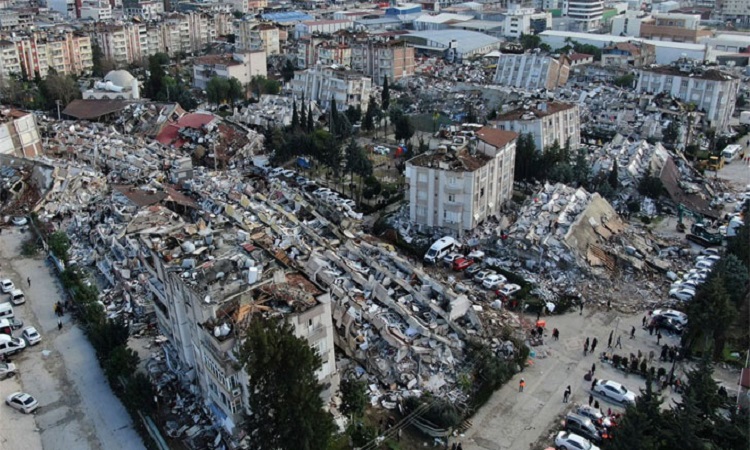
(532, 71)
(737, 11)
(674, 27)
(547, 122)
(458, 186)
(67, 52)
(149, 10)
(323, 84)
(242, 66)
(205, 298)
(10, 61)
(97, 11)
(634, 54)
(251, 35)
(309, 27)
(585, 14)
(711, 91)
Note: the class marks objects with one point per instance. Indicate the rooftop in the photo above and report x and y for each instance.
(215, 60)
(458, 161)
(535, 111)
(466, 41)
(496, 138)
(710, 74)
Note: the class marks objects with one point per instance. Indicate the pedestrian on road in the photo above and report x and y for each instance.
(650, 356)
(454, 446)
(658, 337)
(619, 343)
(59, 324)
(650, 330)
(593, 383)
(609, 304)
(639, 355)
(521, 385)
(609, 341)
(586, 347)
(596, 404)
(632, 333)
(593, 368)
(556, 334)
(593, 345)
(566, 394)
(460, 447)
(28, 280)
(581, 313)
(591, 399)
(57, 309)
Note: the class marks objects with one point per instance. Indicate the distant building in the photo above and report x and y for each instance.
(452, 44)
(458, 186)
(710, 90)
(674, 28)
(532, 71)
(116, 85)
(243, 66)
(252, 35)
(309, 27)
(633, 54)
(323, 84)
(547, 122)
(586, 15)
(580, 59)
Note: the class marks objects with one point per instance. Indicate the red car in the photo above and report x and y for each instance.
(462, 263)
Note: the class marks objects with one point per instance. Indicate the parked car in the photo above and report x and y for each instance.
(614, 391)
(19, 221)
(673, 314)
(594, 414)
(566, 440)
(507, 290)
(450, 257)
(31, 336)
(15, 323)
(472, 270)
(705, 264)
(480, 277)
(17, 297)
(22, 402)
(682, 294)
(462, 263)
(667, 323)
(582, 426)
(7, 370)
(7, 285)
(476, 254)
(493, 281)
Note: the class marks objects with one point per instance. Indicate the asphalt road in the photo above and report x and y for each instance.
(77, 408)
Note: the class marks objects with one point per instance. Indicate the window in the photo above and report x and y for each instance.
(451, 197)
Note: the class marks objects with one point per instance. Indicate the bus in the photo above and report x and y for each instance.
(730, 152)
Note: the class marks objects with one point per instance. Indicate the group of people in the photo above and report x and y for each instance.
(586, 346)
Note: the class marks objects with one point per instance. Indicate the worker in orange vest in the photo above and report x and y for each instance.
(521, 385)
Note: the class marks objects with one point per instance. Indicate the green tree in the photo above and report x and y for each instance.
(295, 116)
(59, 87)
(156, 75)
(739, 245)
(139, 393)
(625, 81)
(641, 425)
(285, 400)
(710, 311)
(217, 90)
(287, 72)
(369, 122)
(59, 244)
(122, 362)
(303, 115)
(353, 397)
(581, 168)
(96, 58)
(235, 91)
(385, 95)
(260, 85)
(735, 276)
(612, 179)
(530, 41)
(526, 158)
(310, 119)
(106, 336)
(650, 186)
(354, 114)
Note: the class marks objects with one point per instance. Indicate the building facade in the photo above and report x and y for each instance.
(242, 66)
(532, 71)
(19, 134)
(710, 90)
(547, 122)
(323, 84)
(585, 14)
(674, 27)
(459, 186)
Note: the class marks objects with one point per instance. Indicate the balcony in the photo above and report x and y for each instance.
(219, 350)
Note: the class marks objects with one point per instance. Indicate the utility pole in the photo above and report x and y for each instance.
(58, 102)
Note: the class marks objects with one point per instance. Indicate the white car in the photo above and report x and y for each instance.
(493, 281)
(614, 391)
(275, 172)
(508, 290)
(22, 402)
(566, 440)
(19, 221)
(7, 285)
(31, 336)
(449, 258)
(714, 258)
(7, 370)
(482, 275)
(476, 255)
(705, 264)
(682, 294)
(17, 297)
(678, 316)
(686, 284)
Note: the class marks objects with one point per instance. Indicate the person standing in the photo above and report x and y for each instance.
(581, 313)
(28, 280)
(643, 322)
(658, 337)
(632, 333)
(591, 399)
(586, 347)
(593, 345)
(593, 368)
(609, 304)
(59, 324)
(619, 342)
(521, 385)
(593, 383)
(556, 334)
(596, 404)
(609, 341)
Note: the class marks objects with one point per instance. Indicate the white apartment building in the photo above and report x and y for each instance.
(737, 11)
(532, 71)
(586, 14)
(459, 189)
(67, 8)
(8, 19)
(711, 91)
(629, 24)
(547, 122)
(96, 11)
(309, 27)
(149, 10)
(251, 35)
(19, 135)
(242, 66)
(323, 84)
(10, 61)
(517, 20)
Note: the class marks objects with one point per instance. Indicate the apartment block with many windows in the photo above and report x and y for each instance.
(460, 185)
(547, 122)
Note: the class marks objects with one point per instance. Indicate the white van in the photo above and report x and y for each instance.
(6, 311)
(440, 249)
(10, 345)
(16, 297)
(731, 152)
